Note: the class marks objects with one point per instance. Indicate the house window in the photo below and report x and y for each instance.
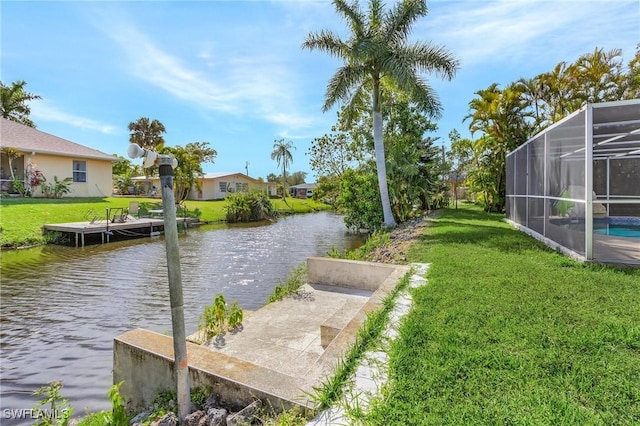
(241, 186)
(79, 171)
(222, 186)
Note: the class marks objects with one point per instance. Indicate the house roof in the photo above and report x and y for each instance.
(303, 186)
(27, 139)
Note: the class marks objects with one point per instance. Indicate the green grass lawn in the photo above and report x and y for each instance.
(507, 331)
(21, 219)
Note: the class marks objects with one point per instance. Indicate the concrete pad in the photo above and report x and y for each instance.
(286, 335)
(277, 356)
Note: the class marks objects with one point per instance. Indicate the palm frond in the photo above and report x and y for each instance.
(326, 41)
(353, 15)
(431, 58)
(340, 85)
(376, 16)
(400, 18)
(426, 98)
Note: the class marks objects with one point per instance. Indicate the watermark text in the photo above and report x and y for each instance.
(32, 413)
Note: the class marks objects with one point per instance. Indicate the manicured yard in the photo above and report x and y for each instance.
(509, 332)
(21, 219)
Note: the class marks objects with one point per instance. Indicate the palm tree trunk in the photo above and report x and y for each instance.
(378, 143)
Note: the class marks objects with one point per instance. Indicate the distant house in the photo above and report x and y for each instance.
(216, 186)
(90, 169)
(303, 190)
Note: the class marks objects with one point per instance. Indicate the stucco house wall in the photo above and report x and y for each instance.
(98, 174)
(53, 156)
(216, 186)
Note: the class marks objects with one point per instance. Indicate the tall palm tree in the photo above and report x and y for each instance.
(378, 53)
(282, 155)
(147, 133)
(13, 103)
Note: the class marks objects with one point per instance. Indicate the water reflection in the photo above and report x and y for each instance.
(61, 306)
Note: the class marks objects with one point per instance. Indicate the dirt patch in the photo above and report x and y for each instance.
(401, 240)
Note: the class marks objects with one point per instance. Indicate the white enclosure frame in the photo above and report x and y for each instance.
(550, 183)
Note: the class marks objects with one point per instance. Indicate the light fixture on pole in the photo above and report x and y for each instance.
(166, 164)
(150, 158)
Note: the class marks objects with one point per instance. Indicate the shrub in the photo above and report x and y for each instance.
(360, 201)
(57, 188)
(248, 206)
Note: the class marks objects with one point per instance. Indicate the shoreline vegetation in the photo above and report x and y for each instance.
(21, 219)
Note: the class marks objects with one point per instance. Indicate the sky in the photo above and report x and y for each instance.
(233, 73)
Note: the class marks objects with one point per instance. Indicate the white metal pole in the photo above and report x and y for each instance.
(588, 183)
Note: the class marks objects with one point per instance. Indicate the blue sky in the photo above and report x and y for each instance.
(232, 73)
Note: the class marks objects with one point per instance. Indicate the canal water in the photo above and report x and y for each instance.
(61, 307)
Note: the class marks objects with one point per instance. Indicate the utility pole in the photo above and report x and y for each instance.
(246, 167)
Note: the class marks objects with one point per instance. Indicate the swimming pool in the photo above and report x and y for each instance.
(628, 231)
(614, 226)
(618, 220)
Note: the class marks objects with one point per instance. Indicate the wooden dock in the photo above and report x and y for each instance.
(133, 227)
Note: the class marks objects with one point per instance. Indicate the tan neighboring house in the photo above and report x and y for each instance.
(90, 169)
(216, 186)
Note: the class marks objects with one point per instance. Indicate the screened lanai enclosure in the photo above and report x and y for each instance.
(576, 185)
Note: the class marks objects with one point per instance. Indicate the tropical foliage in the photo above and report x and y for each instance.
(14, 101)
(415, 163)
(123, 172)
(506, 118)
(345, 162)
(332, 154)
(360, 198)
(147, 133)
(11, 154)
(505, 121)
(57, 188)
(248, 206)
(376, 55)
(190, 159)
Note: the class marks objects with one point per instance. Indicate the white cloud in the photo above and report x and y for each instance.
(45, 111)
(150, 63)
(292, 120)
(494, 31)
(259, 85)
